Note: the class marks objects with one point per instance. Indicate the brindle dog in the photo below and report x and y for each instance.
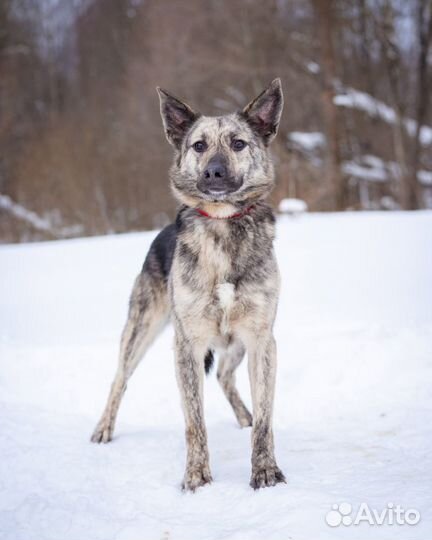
(215, 274)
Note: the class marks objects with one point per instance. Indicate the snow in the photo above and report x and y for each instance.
(374, 169)
(374, 161)
(22, 213)
(352, 98)
(425, 177)
(308, 140)
(313, 67)
(292, 206)
(374, 174)
(425, 131)
(355, 99)
(37, 222)
(353, 399)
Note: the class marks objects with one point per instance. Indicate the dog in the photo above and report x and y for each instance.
(214, 273)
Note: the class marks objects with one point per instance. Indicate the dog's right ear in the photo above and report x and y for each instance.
(177, 117)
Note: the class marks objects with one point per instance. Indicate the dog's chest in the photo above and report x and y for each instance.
(216, 272)
(211, 268)
(215, 260)
(225, 293)
(219, 266)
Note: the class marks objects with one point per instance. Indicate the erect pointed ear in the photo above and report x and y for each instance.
(177, 117)
(264, 112)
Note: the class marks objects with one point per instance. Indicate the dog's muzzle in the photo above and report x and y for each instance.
(216, 180)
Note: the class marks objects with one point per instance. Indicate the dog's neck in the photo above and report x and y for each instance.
(217, 210)
(218, 215)
(225, 210)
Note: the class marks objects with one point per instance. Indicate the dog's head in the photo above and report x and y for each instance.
(224, 160)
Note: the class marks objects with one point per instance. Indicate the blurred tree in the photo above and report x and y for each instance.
(327, 23)
(81, 142)
(423, 18)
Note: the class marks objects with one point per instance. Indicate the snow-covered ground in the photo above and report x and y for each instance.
(353, 402)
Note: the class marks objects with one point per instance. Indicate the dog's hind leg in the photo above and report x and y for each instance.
(148, 311)
(229, 360)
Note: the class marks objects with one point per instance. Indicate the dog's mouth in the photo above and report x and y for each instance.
(217, 194)
(219, 191)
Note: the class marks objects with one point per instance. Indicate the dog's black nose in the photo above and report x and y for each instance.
(216, 170)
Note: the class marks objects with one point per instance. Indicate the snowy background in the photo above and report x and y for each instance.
(353, 401)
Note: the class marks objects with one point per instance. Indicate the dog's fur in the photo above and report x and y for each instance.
(214, 272)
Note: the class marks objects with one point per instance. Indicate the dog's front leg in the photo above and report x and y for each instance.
(262, 374)
(190, 376)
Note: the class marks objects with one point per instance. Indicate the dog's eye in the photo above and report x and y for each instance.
(238, 145)
(200, 146)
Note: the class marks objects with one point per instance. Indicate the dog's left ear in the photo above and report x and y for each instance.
(177, 117)
(264, 112)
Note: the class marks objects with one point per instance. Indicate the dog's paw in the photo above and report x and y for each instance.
(267, 477)
(245, 419)
(103, 433)
(196, 477)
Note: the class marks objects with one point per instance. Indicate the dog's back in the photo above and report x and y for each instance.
(160, 256)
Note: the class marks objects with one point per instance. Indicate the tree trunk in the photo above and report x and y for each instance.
(324, 12)
(393, 64)
(424, 22)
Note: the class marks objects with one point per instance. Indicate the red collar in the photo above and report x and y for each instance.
(232, 216)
